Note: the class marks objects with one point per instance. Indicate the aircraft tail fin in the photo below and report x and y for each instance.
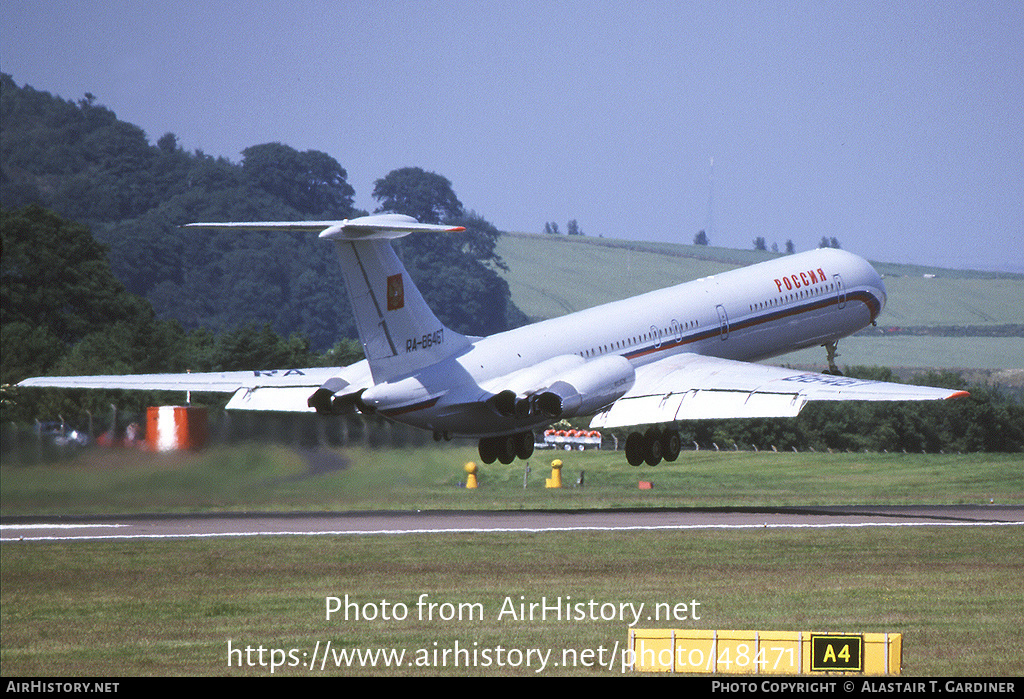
(398, 331)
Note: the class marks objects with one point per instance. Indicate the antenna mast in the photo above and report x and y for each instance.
(711, 199)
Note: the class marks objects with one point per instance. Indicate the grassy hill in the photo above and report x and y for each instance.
(947, 318)
(551, 275)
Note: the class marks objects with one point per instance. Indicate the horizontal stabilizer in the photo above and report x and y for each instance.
(376, 227)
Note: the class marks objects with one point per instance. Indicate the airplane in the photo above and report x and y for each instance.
(681, 353)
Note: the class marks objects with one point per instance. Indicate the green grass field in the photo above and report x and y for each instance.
(261, 478)
(921, 353)
(173, 608)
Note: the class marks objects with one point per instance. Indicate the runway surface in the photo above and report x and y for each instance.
(434, 522)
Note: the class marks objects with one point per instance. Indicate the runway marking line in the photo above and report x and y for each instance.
(495, 530)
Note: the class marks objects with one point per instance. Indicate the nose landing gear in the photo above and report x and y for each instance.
(830, 351)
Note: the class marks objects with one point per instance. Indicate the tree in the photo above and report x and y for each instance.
(258, 347)
(429, 198)
(574, 228)
(450, 270)
(313, 183)
(56, 276)
(701, 238)
(790, 248)
(168, 143)
(426, 196)
(64, 312)
(479, 240)
(78, 160)
(760, 243)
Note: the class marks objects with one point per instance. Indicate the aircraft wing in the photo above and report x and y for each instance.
(694, 387)
(285, 390)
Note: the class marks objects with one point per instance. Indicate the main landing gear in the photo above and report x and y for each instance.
(506, 448)
(652, 446)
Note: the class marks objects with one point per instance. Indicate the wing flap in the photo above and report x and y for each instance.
(294, 399)
(697, 405)
(694, 387)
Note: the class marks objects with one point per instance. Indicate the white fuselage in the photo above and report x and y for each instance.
(750, 314)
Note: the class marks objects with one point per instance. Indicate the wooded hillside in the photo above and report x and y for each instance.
(79, 160)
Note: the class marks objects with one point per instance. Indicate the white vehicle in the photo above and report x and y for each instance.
(570, 439)
(681, 353)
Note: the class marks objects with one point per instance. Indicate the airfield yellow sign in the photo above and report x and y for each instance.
(710, 652)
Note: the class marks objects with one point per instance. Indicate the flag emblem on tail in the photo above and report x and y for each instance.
(396, 294)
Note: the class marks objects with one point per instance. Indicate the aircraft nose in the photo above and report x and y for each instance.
(877, 289)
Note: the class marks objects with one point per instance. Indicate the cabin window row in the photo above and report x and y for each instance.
(639, 339)
(787, 298)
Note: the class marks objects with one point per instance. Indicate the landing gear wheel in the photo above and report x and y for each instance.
(488, 448)
(652, 447)
(507, 448)
(671, 443)
(524, 447)
(635, 449)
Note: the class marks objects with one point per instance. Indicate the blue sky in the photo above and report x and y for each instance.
(897, 128)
